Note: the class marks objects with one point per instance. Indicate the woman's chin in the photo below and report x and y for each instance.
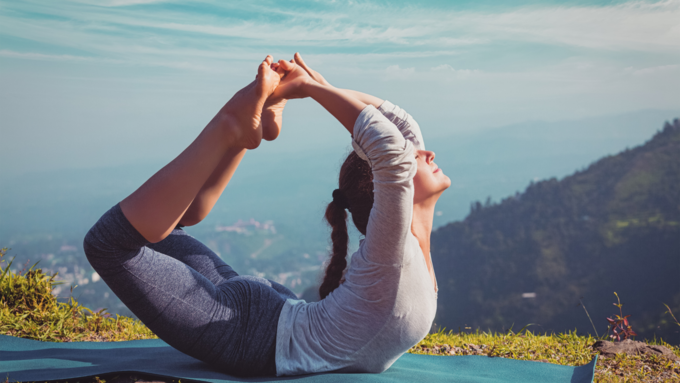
(447, 183)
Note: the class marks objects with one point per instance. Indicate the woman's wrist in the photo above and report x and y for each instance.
(308, 87)
(312, 87)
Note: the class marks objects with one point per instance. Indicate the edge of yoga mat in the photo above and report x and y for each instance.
(28, 360)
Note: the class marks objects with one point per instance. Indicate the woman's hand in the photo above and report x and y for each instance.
(293, 82)
(312, 73)
(297, 82)
(363, 97)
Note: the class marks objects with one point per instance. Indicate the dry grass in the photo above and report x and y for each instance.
(565, 349)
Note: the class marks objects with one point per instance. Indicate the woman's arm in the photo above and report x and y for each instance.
(297, 83)
(393, 165)
(341, 105)
(407, 125)
(364, 97)
(387, 151)
(316, 76)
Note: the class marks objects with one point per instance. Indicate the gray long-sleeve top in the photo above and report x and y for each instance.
(387, 302)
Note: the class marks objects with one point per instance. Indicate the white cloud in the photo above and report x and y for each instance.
(208, 42)
(118, 3)
(100, 60)
(449, 71)
(46, 57)
(654, 70)
(636, 26)
(395, 72)
(498, 66)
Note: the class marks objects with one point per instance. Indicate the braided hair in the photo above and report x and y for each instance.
(355, 193)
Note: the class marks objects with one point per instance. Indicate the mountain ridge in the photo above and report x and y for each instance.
(566, 240)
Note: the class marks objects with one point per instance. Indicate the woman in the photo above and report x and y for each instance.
(250, 326)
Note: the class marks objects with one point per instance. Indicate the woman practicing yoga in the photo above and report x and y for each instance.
(248, 326)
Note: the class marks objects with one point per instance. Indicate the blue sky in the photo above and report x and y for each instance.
(102, 82)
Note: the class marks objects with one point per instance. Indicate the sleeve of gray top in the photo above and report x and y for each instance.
(393, 165)
(408, 126)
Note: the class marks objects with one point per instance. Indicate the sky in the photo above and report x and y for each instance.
(91, 83)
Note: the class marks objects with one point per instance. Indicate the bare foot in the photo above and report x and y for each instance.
(272, 112)
(245, 107)
(272, 116)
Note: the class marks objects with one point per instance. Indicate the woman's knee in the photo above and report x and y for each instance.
(111, 240)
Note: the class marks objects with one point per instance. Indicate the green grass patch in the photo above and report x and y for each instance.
(28, 309)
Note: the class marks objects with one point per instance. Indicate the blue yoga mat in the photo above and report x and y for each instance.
(25, 360)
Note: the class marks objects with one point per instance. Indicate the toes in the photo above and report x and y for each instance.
(276, 68)
(261, 69)
(301, 63)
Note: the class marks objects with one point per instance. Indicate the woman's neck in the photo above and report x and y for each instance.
(421, 227)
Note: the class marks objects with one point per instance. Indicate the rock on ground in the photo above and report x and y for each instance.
(632, 347)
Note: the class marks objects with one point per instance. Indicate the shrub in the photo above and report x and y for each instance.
(28, 309)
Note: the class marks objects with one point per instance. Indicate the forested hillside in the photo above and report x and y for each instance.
(612, 227)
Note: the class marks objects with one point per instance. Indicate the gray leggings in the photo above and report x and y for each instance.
(189, 297)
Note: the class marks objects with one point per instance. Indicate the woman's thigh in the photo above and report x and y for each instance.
(231, 326)
(187, 249)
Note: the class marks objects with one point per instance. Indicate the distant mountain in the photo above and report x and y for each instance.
(500, 161)
(613, 227)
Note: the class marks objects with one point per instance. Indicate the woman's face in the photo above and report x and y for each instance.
(429, 182)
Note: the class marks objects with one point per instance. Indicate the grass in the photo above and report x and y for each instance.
(29, 310)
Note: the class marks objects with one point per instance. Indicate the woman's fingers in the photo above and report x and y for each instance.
(286, 66)
(300, 62)
(276, 68)
(282, 67)
(312, 73)
(293, 81)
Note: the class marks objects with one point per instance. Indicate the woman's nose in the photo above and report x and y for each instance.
(430, 156)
